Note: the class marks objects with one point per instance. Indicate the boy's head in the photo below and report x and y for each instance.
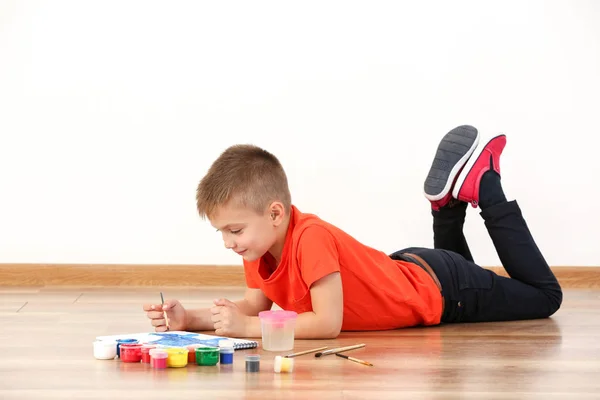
(245, 195)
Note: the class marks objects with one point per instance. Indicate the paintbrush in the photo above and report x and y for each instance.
(162, 299)
(305, 352)
(339, 350)
(354, 359)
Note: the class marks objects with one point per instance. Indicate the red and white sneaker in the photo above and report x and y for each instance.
(484, 159)
(452, 153)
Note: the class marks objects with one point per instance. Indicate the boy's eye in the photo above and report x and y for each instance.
(236, 231)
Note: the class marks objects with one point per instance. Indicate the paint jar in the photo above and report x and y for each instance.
(119, 341)
(131, 352)
(159, 359)
(105, 350)
(226, 351)
(178, 357)
(192, 352)
(154, 351)
(283, 364)
(277, 328)
(252, 363)
(207, 355)
(146, 353)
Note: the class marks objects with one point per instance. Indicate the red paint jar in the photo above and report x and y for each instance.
(159, 359)
(192, 353)
(131, 353)
(146, 353)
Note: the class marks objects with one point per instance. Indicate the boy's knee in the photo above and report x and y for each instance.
(555, 298)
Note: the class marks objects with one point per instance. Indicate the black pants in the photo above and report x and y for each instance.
(474, 294)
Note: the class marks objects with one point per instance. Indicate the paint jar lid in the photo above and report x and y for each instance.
(206, 349)
(127, 340)
(253, 357)
(105, 343)
(226, 344)
(177, 350)
(160, 354)
(131, 346)
(277, 315)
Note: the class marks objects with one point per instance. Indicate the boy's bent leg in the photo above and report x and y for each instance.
(518, 252)
(484, 296)
(474, 294)
(479, 183)
(448, 224)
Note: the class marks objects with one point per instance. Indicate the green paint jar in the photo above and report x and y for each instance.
(207, 355)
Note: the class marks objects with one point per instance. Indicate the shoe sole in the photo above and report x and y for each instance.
(452, 153)
(469, 166)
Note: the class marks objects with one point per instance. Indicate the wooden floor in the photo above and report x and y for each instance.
(46, 339)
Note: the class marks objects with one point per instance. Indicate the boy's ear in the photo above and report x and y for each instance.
(277, 211)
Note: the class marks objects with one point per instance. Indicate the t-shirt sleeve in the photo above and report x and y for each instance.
(317, 254)
(250, 271)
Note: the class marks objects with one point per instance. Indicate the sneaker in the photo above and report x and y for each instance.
(486, 158)
(452, 154)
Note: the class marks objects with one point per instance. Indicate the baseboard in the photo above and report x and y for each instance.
(120, 275)
(194, 275)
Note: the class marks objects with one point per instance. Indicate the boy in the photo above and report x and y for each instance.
(336, 283)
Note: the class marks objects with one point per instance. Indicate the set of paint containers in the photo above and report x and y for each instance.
(161, 357)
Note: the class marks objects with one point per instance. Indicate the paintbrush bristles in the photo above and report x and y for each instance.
(356, 360)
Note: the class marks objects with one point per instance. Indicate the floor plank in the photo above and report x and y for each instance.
(47, 351)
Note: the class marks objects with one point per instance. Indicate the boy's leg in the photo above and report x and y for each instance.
(451, 155)
(532, 291)
(448, 224)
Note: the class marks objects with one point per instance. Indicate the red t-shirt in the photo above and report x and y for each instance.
(379, 293)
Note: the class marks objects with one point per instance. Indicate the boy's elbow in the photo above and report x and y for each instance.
(332, 331)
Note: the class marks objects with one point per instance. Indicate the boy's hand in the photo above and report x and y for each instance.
(175, 313)
(228, 319)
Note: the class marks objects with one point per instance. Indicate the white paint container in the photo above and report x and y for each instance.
(105, 350)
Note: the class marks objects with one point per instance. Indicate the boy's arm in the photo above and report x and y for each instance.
(254, 302)
(325, 321)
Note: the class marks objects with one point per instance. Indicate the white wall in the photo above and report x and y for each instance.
(111, 112)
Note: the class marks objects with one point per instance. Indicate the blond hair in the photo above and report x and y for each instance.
(246, 174)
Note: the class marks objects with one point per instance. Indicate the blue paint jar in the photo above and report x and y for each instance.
(226, 351)
(119, 341)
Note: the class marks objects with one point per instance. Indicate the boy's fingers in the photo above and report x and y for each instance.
(168, 305)
(152, 307)
(158, 322)
(161, 328)
(155, 314)
(224, 302)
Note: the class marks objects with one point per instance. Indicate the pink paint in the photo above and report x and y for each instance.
(159, 359)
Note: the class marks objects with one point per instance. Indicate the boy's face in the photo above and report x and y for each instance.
(244, 231)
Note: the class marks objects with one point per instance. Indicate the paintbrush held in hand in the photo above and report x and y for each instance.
(162, 299)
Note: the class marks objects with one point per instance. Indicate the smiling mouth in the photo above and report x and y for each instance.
(241, 252)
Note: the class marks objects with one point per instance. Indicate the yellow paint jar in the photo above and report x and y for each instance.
(283, 364)
(177, 357)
